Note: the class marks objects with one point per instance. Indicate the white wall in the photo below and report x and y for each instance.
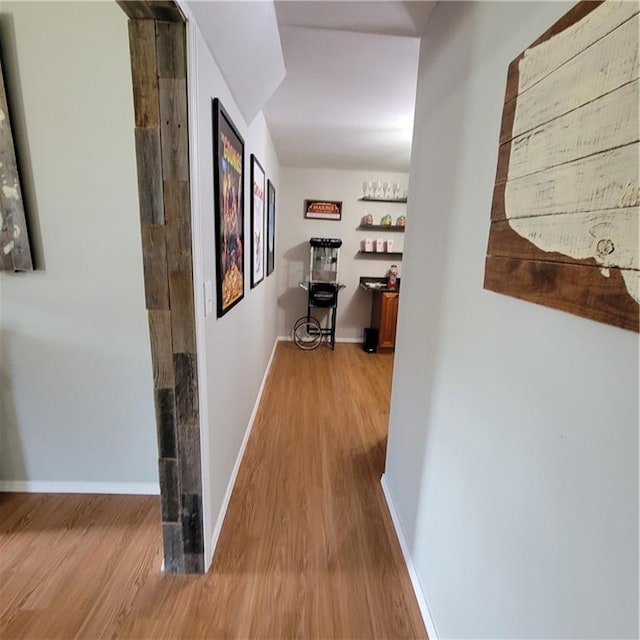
(513, 446)
(294, 231)
(77, 398)
(237, 346)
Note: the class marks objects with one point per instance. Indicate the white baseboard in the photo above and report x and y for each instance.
(117, 488)
(338, 339)
(413, 575)
(236, 467)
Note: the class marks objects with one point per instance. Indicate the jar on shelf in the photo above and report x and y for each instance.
(392, 277)
(401, 221)
(386, 221)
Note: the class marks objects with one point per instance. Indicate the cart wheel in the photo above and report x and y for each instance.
(307, 333)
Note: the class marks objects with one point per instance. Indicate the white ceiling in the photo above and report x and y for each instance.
(348, 97)
(253, 67)
(394, 18)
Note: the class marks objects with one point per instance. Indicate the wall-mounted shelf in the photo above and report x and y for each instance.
(393, 200)
(381, 227)
(386, 254)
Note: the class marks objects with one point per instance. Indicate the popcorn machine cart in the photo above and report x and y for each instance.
(322, 289)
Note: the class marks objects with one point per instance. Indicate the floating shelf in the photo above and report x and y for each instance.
(381, 227)
(387, 254)
(394, 200)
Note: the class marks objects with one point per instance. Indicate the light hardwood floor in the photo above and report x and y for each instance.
(307, 549)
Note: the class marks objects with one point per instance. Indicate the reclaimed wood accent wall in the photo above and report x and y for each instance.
(564, 217)
(15, 250)
(158, 69)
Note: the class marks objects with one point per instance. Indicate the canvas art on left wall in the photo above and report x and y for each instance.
(228, 177)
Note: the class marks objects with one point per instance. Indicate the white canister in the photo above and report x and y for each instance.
(389, 246)
(380, 246)
(367, 244)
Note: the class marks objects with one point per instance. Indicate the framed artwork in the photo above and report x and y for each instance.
(323, 209)
(228, 180)
(565, 210)
(257, 222)
(15, 250)
(271, 227)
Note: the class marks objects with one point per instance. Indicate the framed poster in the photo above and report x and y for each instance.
(257, 222)
(323, 209)
(228, 177)
(271, 227)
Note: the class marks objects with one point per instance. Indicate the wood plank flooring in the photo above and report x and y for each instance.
(307, 549)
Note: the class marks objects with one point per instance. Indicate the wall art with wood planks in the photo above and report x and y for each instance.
(15, 251)
(564, 217)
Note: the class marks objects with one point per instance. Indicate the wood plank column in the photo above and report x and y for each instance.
(158, 68)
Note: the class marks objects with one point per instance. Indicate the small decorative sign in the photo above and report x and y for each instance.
(323, 209)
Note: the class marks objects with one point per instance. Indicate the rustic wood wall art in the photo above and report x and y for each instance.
(15, 251)
(564, 217)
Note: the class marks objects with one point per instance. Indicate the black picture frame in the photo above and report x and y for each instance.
(258, 222)
(271, 227)
(228, 181)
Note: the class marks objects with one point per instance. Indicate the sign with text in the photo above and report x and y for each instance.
(323, 209)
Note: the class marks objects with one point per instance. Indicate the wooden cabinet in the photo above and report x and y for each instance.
(384, 316)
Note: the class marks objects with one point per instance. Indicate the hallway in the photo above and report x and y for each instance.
(307, 549)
